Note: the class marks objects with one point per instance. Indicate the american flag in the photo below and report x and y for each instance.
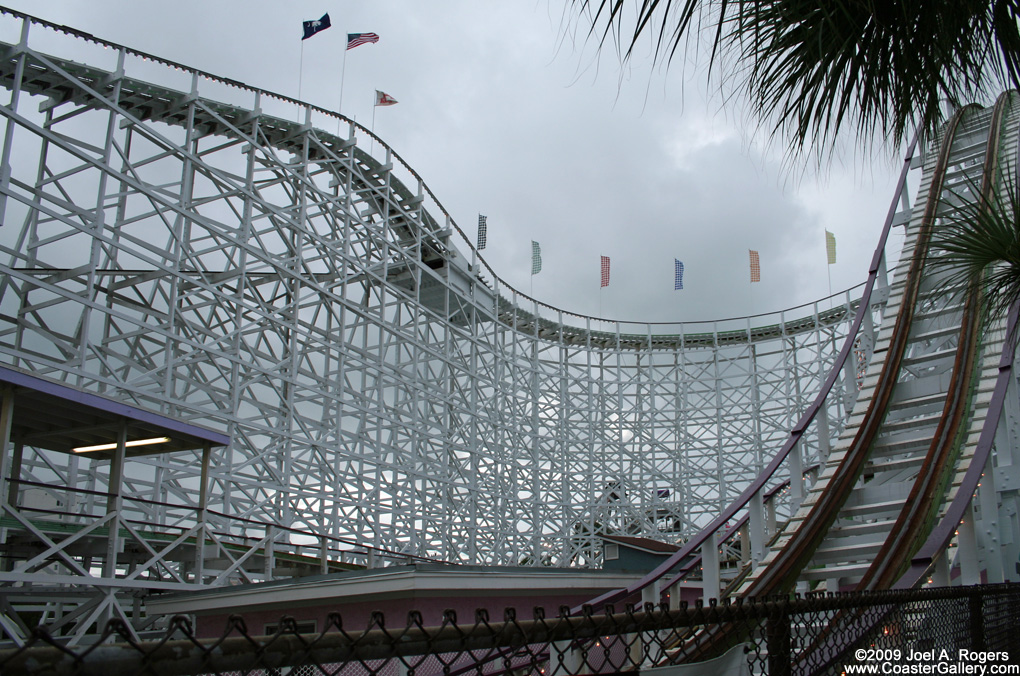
(755, 266)
(482, 232)
(830, 247)
(355, 39)
(678, 279)
(605, 271)
(536, 258)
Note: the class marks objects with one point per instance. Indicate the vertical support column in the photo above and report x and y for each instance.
(98, 225)
(474, 495)
(651, 594)
(6, 418)
(564, 660)
(720, 451)
(756, 527)
(270, 553)
(710, 569)
(71, 506)
(203, 502)
(990, 540)
(770, 516)
(752, 368)
(868, 331)
(14, 479)
(674, 596)
(1008, 456)
(323, 554)
(5, 157)
(114, 502)
(970, 572)
(634, 653)
(203, 487)
(241, 288)
(745, 544)
(850, 372)
(822, 426)
(796, 476)
(536, 440)
(940, 576)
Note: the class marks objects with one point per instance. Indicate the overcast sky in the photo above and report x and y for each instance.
(505, 111)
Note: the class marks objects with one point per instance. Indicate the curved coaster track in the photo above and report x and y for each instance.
(909, 494)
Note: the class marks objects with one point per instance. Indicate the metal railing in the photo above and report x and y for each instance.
(172, 528)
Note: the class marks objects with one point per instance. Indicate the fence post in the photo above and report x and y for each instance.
(777, 640)
(977, 621)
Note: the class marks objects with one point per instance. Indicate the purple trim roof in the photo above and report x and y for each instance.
(68, 393)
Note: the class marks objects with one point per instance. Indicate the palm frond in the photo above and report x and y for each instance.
(881, 68)
(811, 69)
(979, 244)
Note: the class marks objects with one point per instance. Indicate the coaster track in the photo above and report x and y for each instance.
(886, 488)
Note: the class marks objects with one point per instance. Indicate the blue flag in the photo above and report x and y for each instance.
(312, 27)
(678, 278)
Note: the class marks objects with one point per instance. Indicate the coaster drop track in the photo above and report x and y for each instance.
(895, 499)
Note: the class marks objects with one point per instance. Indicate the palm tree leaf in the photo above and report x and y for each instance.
(812, 69)
(979, 243)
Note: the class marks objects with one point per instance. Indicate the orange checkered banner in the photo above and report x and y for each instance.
(755, 266)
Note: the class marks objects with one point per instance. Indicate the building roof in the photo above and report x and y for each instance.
(643, 544)
(396, 581)
(58, 417)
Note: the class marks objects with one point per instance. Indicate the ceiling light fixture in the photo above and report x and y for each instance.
(129, 444)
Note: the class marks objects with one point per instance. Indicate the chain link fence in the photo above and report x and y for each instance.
(915, 631)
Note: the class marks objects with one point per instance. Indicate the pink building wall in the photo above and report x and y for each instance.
(357, 614)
